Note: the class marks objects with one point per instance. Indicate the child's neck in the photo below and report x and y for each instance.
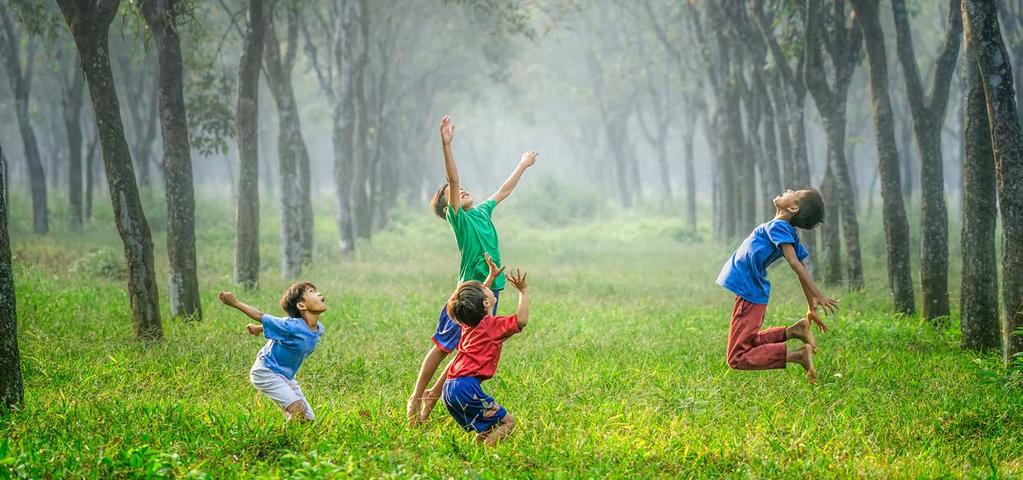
(311, 319)
(782, 214)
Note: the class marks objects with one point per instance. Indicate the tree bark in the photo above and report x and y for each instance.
(162, 17)
(895, 224)
(844, 47)
(928, 119)
(90, 174)
(293, 155)
(979, 289)
(11, 388)
(71, 101)
(246, 260)
(89, 22)
(21, 81)
(980, 25)
(687, 141)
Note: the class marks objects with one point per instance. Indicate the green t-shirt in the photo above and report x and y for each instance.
(475, 235)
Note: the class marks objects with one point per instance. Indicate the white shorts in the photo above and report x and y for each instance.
(282, 391)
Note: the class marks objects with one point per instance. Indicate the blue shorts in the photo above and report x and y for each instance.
(472, 408)
(449, 332)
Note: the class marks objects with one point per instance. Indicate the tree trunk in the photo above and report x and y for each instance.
(292, 152)
(246, 260)
(21, 82)
(89, 22)
(71, 100)
(979, 290)
(831, 245)
(161, 16)
(895, 224)
(844, 46)
(980, 22)
(928, 119)
(687, 139)
(90, 174)
(11, 389)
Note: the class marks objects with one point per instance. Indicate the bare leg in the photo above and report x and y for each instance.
(499, 431)
(804, 357)
(426, 371)
(801, 330)
(430, 398)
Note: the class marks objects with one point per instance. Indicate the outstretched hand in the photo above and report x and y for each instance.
(529, 158)
(494, 271)
(228, 298)
(815, 319)
(447, 130)
(518, 278)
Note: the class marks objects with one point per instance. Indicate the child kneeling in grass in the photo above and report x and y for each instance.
(745, 275)
(289, 341)
(479, 350)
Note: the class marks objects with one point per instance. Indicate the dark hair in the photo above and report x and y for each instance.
(440, 202)
(466, 304)
(293, 295)
(811, 209)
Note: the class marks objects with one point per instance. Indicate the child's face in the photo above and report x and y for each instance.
(313, 301)
(488, 304)
(466, 198)
(788, 200)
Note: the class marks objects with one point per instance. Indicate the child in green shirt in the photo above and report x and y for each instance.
(478, 245)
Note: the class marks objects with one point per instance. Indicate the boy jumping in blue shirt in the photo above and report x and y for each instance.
(289, 341)
(745, 275)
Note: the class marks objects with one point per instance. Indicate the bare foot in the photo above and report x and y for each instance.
(412, 409)
(428, 404)
(804, 357)
(801, 330)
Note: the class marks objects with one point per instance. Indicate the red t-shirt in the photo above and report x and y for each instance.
(480, 347)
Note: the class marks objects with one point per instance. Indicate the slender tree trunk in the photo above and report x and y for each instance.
(980, 22)
(292, 152)
(90, 174)
(895, 224)
(687, 139)
(11, 389)
(928, 119)
(71, 100)
(161, 16)
(979, 295)
(21, 82)
(246, 270)
(89, 22)
(831, 245)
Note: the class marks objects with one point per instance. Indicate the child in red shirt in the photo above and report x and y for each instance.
(479, 350)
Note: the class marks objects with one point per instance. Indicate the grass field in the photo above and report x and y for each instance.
(620, 373)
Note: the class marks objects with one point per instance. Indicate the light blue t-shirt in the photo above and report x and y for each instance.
(745, 273)
(289, 341)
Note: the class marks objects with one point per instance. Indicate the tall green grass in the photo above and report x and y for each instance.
(620, 373)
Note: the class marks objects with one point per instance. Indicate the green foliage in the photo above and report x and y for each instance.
(551, 202)
(620, 373)
(103, 263)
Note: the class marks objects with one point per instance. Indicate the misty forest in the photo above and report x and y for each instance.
(170, 167)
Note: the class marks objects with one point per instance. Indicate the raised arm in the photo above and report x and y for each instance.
(814, 296)
(528, 159)
(447, 133)
(229, 299)
(518, 279)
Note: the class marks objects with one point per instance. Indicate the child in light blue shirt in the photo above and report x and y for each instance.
(289, 341)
